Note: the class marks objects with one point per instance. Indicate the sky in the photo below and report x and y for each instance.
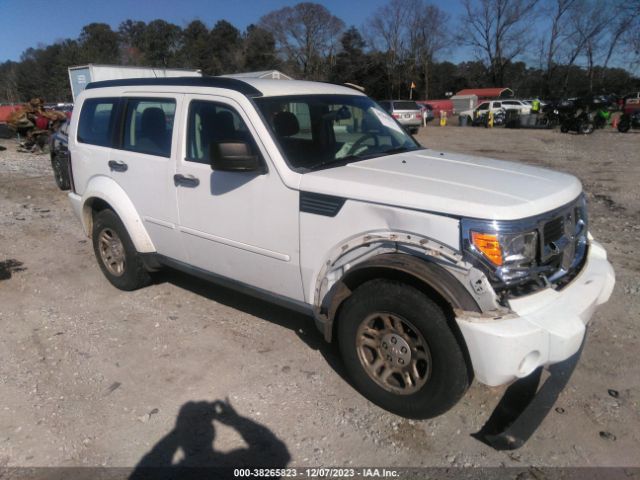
(30, 23)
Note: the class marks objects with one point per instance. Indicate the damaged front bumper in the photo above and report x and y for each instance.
(542, 329)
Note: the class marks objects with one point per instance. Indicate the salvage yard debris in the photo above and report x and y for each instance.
(35, 123)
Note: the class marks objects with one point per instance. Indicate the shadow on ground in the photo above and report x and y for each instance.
(188, 451)
(8, 267)
(303, 325)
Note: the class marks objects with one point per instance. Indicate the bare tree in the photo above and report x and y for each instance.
(583, 34)
(389, 34)
(306, 33)
(9, 82)
(628, 31)
(428, 37)
(558, 12)
(497, 29)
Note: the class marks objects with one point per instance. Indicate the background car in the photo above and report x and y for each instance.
(521, 106)
(482, 109)
(407, 112)
(58, 147)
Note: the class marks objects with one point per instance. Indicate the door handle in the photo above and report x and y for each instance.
(117, 166)
(186, 180)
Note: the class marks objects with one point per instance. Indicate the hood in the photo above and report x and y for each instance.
(452, 184)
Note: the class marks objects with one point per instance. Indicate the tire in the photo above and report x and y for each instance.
(414, 131)
(440, 375)
(60, 172)
(564, 128)
(623, 127)
(5, 131)
(116, 255)
(586, 128)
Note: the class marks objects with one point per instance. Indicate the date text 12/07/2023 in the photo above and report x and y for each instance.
(316, 472)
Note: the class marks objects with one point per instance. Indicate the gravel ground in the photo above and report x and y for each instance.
(92, 376)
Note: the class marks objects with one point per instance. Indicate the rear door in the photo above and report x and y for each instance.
(143, 163)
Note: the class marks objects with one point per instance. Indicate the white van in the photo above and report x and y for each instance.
(427, 267)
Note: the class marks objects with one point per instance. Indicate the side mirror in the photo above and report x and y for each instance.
(234, 157)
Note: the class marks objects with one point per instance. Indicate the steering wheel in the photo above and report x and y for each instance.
(358, 143)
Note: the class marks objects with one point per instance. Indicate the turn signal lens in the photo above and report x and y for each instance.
(489, 245)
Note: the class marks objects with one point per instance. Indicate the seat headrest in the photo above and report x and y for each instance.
(286, 124)
(153, 120)
(224, 126)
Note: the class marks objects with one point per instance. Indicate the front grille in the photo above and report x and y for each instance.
(562, 243)
(561, 250)
(553, 230)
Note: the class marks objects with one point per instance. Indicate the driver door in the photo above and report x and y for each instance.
(235, 224)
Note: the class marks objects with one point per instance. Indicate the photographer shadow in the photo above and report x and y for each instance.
(188, 451)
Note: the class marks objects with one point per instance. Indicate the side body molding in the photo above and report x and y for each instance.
(105, 189)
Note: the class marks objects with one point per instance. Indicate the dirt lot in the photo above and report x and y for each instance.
(90, 375)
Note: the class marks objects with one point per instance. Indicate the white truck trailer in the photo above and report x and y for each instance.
(81, 76)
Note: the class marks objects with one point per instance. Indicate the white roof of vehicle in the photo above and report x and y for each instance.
(273, 88)
(272, 74)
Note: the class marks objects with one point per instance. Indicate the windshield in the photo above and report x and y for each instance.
(323, 131)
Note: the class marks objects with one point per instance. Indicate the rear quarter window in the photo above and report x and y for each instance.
(96, 122)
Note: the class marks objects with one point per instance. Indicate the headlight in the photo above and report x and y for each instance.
(510, 254)
(507, 250)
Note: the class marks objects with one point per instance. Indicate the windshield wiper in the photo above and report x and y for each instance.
(342, 161)
(391, 151)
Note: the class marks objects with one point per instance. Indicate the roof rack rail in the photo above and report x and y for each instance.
(215, 82)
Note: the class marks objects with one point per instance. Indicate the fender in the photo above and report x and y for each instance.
(107, 190)
(429, 264)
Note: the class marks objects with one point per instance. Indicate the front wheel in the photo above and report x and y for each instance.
(586, 128)
(116, 254)
(399, 350)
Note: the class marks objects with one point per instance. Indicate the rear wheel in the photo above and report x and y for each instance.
(116, 255)
(60, 172)
(624, 126)
(399, 350)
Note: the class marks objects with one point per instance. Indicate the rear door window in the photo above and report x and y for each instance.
(148, 125)
(97, 120)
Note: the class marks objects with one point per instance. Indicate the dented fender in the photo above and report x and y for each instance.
(374, 254)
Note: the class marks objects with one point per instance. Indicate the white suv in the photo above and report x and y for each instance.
(426, 267)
